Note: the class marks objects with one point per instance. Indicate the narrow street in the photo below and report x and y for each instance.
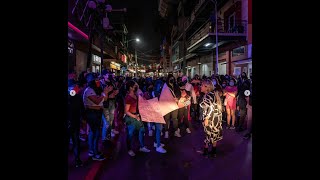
(183, 160)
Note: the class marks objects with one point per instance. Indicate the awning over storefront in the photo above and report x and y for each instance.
(188, 56)
(243, 61)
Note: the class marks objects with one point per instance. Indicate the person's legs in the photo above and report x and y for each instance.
(175, 121)
(158, 133)
(241, 119)
(105, 124)
(166, 126)
(249, 123)
(228, 117)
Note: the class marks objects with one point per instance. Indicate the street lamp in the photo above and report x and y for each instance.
(135, 55)
(216, 24)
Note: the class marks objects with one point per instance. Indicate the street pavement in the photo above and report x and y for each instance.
(183, 159)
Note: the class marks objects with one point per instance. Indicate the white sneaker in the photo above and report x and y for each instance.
(144, 149)
(188, 130)
(166, 135)
(150, 132)
(155, 145)
(115, 131)
(177, 133)
(131, 153)
(161, 150)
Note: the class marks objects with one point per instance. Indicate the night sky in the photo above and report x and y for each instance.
(143, 21)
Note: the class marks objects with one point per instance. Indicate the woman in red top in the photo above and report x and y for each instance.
(132, 118)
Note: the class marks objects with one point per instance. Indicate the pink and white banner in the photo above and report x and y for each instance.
(153, 110)
(149, 110)
(167, 101)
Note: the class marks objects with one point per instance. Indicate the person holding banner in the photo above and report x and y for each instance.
(132, 118)
(212, 117)
(175, 91)
(158, 126)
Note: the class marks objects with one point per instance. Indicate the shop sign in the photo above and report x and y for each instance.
(96, 59)
(114, 65)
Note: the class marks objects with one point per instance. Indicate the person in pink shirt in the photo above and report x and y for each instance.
(230, 102)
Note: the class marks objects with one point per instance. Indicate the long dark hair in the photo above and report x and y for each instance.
(168, 79)
(129, 84)
(93, 85)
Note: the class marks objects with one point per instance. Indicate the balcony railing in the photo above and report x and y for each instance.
(200, 34)
(238, 27)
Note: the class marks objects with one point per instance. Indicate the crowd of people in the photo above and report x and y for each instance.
(100, 106)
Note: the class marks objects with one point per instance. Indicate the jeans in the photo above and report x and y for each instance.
(158, 133)
(195, 110)
(107, 119)
(94, 121)
(133, 125)
(118, 115)
(174, 116)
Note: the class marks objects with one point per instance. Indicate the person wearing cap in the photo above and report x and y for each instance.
(93, 98)
(212, 117)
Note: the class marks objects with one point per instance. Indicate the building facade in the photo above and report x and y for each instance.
(199, 32)
(93, 50)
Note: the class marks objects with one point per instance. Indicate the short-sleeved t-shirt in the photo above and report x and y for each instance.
(86, 101)
(133, 103)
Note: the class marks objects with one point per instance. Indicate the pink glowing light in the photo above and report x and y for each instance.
(78, 30)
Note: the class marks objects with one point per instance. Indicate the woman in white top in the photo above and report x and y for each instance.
(93, 98)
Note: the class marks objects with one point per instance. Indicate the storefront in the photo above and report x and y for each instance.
(115, 67)
(243, 63)
(96, 63)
